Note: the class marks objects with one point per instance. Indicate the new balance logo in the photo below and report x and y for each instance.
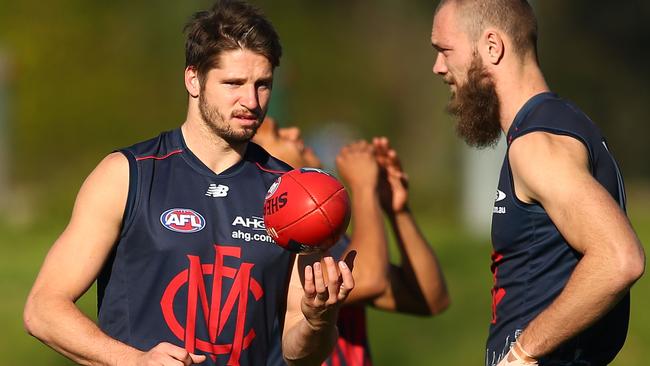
(217, 190)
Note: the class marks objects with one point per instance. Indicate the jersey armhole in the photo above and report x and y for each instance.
(536, 207)
(131, 200)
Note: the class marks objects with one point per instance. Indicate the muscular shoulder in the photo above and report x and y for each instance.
(114, 162)
(77, 256)
(105, 190)
(113, 170)
(541, 146)
(542, 161)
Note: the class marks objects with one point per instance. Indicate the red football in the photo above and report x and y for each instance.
(306, 210)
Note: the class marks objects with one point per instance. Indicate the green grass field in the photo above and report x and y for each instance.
(453, 338)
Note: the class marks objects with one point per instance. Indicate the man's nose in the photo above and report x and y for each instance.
(440, 67)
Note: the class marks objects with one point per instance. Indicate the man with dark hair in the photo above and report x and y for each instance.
(171, 228)
(373, 174)
(565, 254)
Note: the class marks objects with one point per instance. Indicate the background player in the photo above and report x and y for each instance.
(153, 223)
(374, 175)
(565, 254)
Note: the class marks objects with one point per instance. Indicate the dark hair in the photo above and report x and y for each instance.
(514, 17)
(227, 26)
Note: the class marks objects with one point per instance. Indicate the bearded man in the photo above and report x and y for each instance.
(565, 254)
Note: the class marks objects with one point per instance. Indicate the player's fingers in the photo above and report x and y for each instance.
(348, 281)
(363, 146)
(404, 179)
(340, 160)
(343, 152)
(380, 142)
(381, 159)
(353, 146)
(385, 142)
(177, 353)
(394, 159)
(368, 146)
(376, 145)
(309, 287)
(319, 282)
(196, 359)
(332, 277)
(383, 145)
(397, 175)
(381, 151)
(170, 361)
(185, 360)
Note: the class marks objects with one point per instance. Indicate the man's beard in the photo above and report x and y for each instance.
(476, 106)
(216, 122)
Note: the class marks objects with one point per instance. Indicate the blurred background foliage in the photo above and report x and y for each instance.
(81, 78)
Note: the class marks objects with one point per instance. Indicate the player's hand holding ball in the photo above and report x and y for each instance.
(306, 210)
(325, 288)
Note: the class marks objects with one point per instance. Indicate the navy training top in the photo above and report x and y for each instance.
(532, 261)
(193, 265)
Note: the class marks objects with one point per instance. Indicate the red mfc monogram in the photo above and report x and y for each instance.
(215, 313)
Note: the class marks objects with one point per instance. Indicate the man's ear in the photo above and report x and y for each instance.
(192, 82)
(493, 46)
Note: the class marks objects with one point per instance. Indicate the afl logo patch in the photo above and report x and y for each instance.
(182, 220)
(273, 188)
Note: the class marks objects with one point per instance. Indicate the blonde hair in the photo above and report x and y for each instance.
(514, 17)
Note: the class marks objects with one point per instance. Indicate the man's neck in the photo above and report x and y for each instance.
(213, 151)
(516, 88)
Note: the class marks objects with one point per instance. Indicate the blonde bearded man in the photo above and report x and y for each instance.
(565, 254)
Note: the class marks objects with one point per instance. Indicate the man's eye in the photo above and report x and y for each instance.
(264, 85)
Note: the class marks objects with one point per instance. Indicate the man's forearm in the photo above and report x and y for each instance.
(369, 240)
(592, 290)
(369, 234)
(419, 262)
(62, 326)
(303, 345)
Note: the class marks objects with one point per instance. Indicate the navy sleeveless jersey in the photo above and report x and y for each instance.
(351, 348)
(532, 261)
(193, 265)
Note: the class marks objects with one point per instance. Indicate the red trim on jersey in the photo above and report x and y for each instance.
(497, 292)
(159, 157)
(269, 170)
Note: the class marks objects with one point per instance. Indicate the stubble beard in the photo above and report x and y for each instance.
(217, 123)
(476, 107)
